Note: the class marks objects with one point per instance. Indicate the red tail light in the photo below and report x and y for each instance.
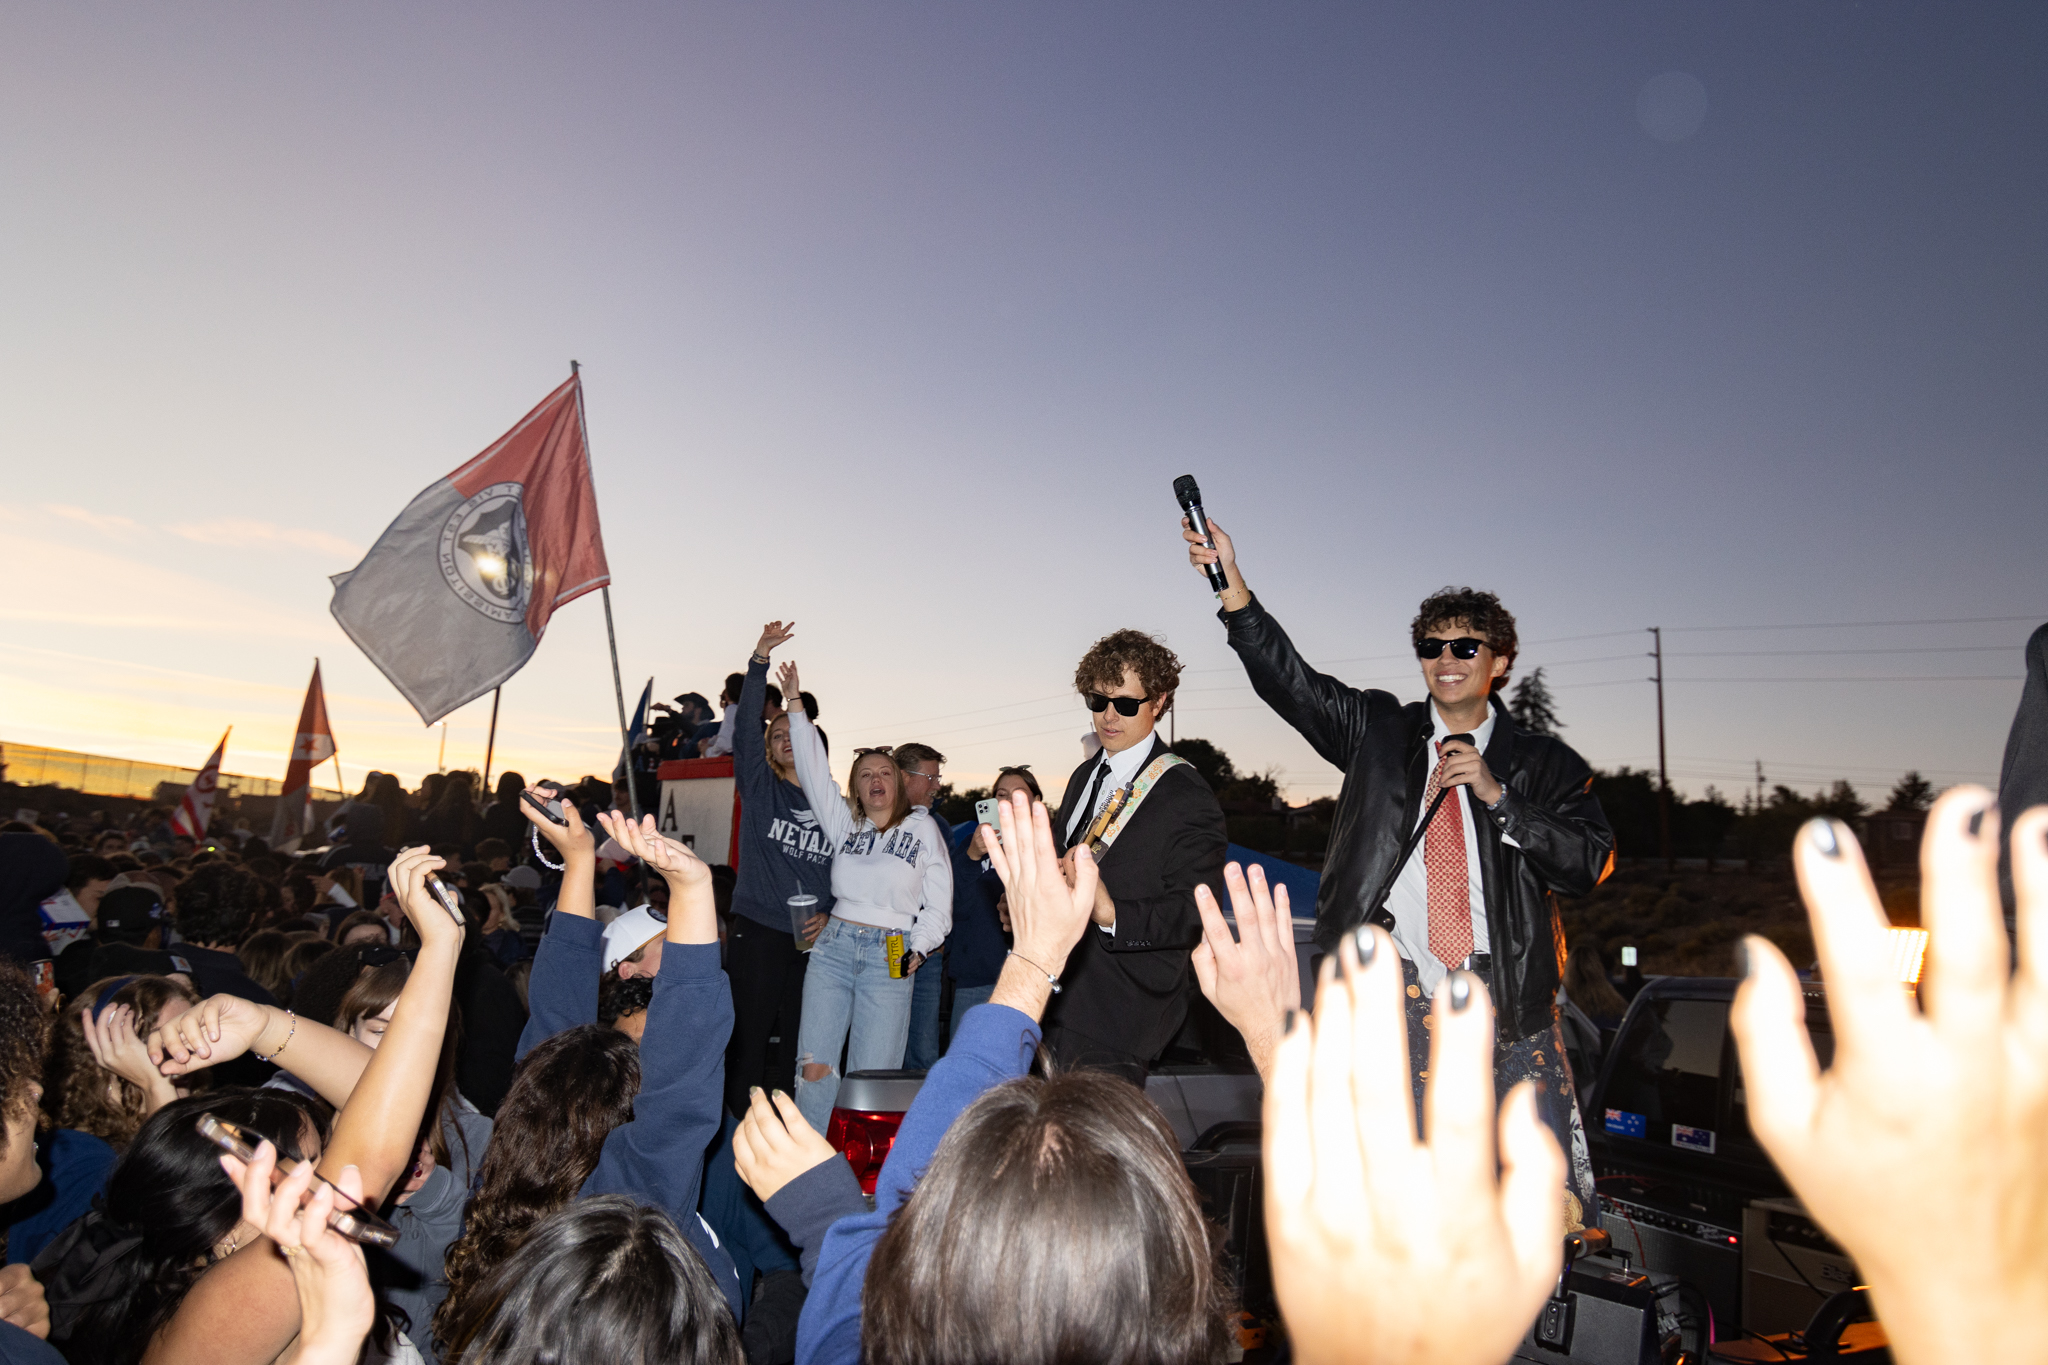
(864, 1139)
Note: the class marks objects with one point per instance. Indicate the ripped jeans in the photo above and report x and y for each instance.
(848, 990)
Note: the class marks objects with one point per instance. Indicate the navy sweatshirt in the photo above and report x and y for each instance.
(782, 850)
(993, 1044)
(975, 952)
(656, 1157)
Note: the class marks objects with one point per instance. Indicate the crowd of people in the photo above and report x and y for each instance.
(522, 1080)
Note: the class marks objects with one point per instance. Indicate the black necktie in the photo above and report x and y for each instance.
(1094, 795)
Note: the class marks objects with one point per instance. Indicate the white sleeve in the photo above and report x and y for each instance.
(935, 916)
(814, 775)
(722, 742)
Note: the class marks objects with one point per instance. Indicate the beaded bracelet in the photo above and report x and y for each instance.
(283, 1045)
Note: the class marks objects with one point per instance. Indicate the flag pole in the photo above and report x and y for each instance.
(610, 635)
(490, 741)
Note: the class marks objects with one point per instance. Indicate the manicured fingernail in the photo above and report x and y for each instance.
(1976, 823)
(1288, 1021)
(753, 1090)
(1743, 962)
(1822, 832)
(1461, 992)
(1368, 945)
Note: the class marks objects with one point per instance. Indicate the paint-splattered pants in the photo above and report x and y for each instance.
(1538, 1058)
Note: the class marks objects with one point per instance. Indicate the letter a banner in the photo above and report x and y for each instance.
(452, 599)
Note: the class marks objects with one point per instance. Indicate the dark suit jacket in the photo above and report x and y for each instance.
(1129, 989)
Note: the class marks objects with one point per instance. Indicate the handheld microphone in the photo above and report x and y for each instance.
(1190, 496)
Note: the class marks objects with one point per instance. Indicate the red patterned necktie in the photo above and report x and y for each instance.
(1450, 879)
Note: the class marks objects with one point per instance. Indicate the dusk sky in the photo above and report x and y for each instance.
(900, 319)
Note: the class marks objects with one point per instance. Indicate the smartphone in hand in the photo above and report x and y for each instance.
(356, 1223)
(551, 809)
(985, 812)
(445, 894)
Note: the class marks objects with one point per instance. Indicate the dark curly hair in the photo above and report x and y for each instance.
(216, 904)
(1482, 614)
(82, 1094)
(566, 1098)
(22, 1039)
(1102, 667)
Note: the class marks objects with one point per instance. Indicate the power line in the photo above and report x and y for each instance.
(1781, 653)
(1860, 625)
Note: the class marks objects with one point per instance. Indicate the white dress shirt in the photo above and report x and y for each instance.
(1408, 903)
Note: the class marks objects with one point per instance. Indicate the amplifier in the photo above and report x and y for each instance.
(1664, 1241)
(1789, 1266)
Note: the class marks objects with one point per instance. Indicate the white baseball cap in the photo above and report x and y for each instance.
(629, 932)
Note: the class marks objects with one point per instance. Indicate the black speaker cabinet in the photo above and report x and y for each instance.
(1704, 1255)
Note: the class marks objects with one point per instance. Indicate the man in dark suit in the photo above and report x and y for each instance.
(1156, 832)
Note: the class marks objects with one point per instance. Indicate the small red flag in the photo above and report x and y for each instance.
(313, 745)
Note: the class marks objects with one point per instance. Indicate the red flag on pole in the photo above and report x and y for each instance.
(313, 746)
(452, 599)
(197, 807)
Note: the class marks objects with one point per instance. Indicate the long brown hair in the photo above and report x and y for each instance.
(1055, 1223)
(89, 1097)
(566, 1098)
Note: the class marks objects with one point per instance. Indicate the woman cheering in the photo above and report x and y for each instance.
(891, 876)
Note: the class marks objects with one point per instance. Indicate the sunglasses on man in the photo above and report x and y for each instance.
(1464, 647)
(1125, 706)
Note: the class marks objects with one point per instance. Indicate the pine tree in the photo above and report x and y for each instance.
(1913, 792)
(1532, 706)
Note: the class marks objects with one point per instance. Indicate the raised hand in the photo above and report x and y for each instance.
(117, 1049)
(1254, 979)
(773, 634)
(573, 840)
(1047, 916)
(336, 1304)
(1933, 1116)
(678, 865)
(1386, 1250)
(773, 1145)
(786, 679)
(430, 920)
(1200, 554)
(219, 1029)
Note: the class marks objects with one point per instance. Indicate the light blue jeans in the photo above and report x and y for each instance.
(850, 1000)
(922, 1052)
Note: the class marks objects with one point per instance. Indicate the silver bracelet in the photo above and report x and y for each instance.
(281, 1046)
(1050, 979)
(533, 833)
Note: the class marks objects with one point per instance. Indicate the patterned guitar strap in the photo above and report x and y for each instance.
(1123, 803)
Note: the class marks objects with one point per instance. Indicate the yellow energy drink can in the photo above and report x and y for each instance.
(892, 945)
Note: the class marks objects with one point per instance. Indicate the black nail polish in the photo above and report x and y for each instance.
(1288, 1021)
(1461, 992)
(1368, 945)
(1822, 832)
(1744, 963)
(1976, 823)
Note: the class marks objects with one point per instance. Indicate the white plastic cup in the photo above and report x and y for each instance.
(802, 906)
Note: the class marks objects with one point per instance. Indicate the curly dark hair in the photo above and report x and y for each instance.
(216, 904)
(567, 1096)
(1102, 667)
(1482, 614)
(22, 1040)
(82, 1094)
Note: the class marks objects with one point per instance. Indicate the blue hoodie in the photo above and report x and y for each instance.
(782, 849)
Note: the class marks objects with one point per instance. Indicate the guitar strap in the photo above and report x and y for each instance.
(1123, 803)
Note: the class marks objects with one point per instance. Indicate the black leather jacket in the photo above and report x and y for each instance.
(1565, 846)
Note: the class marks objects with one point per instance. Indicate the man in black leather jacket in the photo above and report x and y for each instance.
(1530, 827)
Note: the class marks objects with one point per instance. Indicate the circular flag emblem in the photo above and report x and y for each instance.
(484, 554)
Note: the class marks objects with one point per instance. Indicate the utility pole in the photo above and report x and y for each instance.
(1759, 784)
(1663, 774)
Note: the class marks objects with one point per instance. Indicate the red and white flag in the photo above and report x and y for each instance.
(452, 599)
(197, 807)
(313, 746)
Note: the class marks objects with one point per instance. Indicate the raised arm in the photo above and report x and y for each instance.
(245, 1310)
(658, 1155)
(562, 990)
(749, 742)
(226, 1026)
(814, 767)
(1331, 715)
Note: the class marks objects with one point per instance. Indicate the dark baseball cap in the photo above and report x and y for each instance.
(130, 912)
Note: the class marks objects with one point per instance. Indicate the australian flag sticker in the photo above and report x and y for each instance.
(1694, 1139)
(1627, 1124)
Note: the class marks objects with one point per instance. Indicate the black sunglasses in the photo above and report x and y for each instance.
(1125, 706)
(1464, 647)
